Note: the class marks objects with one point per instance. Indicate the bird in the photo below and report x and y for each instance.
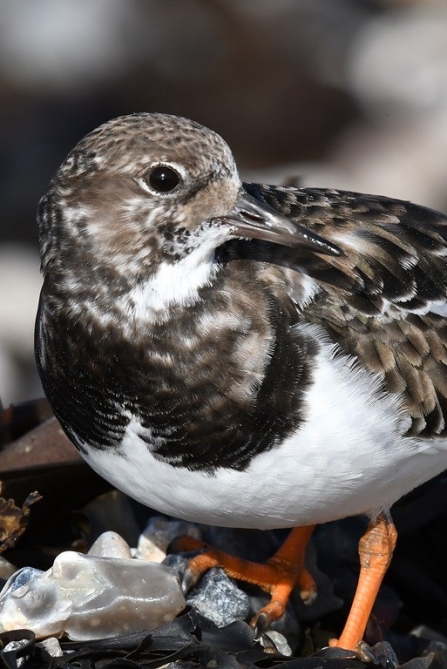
(241, 354)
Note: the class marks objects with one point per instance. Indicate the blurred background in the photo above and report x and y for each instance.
(337, 93)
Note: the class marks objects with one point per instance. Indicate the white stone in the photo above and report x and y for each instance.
(110, 544)
(90, 597)
(159, 533)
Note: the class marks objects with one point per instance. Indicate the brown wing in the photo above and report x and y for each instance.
(385, 300)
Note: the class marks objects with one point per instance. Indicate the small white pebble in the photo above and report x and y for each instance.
(158, 534)
(110, 544)
(52, 646)
(17, 645)
(279, 641)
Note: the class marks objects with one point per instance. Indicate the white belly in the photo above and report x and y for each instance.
(347, 458)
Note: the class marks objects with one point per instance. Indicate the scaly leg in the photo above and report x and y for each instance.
(376, 550)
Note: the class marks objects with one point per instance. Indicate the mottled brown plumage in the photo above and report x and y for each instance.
(242, 354)
(379, 300)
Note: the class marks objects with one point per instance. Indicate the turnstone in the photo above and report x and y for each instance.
(241, 354)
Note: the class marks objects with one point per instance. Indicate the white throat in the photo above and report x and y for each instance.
(173, 284)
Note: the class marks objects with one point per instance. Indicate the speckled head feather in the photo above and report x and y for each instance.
(101, 206)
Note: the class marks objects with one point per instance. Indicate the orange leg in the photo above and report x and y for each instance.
(278, 576)
(376, 550)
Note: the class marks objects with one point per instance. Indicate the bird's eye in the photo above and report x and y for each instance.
(163, 179)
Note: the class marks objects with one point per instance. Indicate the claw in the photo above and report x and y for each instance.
(260, 624)
(189, 580)
(365, 653)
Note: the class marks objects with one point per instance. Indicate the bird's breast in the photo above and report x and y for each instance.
(219, 381)
(347, 456)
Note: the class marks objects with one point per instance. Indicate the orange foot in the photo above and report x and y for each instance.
(278, 576)
(285, 569)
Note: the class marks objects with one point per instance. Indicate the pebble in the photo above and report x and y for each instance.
(108, 592)
(52, 646)
(159, 533)
(89, 597)
(279, 642)
(111, 544)
(13, 646)
(218, 598)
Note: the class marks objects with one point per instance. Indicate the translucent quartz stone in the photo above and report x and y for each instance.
(110, 544)
(90, 597)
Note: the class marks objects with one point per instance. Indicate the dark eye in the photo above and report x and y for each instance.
(163, 179)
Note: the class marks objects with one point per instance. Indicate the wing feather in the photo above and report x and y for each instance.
(385, 300)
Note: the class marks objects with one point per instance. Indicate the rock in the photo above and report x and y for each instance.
(111, 544)
(158, 534)
(52, 646)
(90, 597)
(219, 599)
(278, 641)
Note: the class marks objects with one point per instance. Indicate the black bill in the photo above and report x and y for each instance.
(255, 220)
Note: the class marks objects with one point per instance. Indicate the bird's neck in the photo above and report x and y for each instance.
(172, 285)
(117, 299)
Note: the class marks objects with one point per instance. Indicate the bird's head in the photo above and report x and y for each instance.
(147, 189)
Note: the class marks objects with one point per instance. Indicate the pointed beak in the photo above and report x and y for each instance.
(253, 219)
